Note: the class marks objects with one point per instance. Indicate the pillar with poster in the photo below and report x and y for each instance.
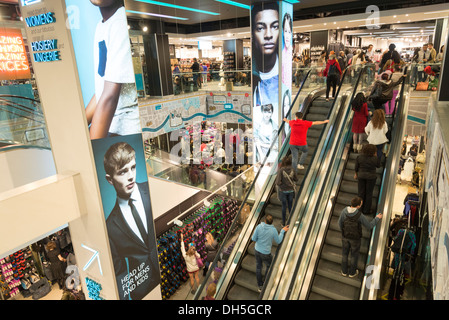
(272, 51)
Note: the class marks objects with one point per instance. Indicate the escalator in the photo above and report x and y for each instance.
(328, 283)
(244, 286)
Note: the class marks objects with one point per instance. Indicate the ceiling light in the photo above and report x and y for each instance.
(406, 15)
(335, 22)
(145, 29)
(435, 12)
(236, 4)
(394, 16)
(156, 15)
(303, 26)
(170, 5)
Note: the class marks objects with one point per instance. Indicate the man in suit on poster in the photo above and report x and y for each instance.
(130, 226)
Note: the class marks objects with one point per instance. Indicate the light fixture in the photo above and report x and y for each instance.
(235, 4)
(156, 15)
(303, 26)
(145, 29)
(170, 5)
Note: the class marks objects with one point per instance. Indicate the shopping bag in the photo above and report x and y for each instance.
(199, 262)
(422, 86)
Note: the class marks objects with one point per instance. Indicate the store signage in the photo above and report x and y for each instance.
(94, 257)
(93, 289)
(40, 20)
(13, 58)
(46, 45)
(29, 2)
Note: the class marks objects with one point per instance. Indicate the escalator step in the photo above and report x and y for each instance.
(319, 110)
(247, 280)
(332, 290)
(349, 187)
(333, 238)
(315, 296)
(240, 293)
(274, 210)
(332, 271)
(333, 253)
(316, 117)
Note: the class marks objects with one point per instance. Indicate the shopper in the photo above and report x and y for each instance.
(298, 138)
(391, 54)
(432, 53)
(376, 130)
(195, 70)
(342, 60)
(440, 55)
(211, 251)
(350, 223)
(204, 73)
(264, 235)
(286, 182)
(359, 120)
(365, 174)
(56, 263)
(391, 105)
(192, 266)
(210, 291)
(382, 90)
(332, 72)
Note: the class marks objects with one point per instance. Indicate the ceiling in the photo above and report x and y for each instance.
(223, 11)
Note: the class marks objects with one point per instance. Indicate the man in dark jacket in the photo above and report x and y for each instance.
(349, 243)
(385, 93)
(196, 69)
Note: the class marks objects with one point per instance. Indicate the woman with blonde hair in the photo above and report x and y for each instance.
(192, 265)
(377, 130)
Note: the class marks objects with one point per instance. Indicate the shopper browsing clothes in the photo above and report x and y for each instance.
(365, 174)
(190, 257)
(56, 263)
(350, 223)
(264, 235)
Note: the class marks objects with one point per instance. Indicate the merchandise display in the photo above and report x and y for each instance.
(216, 219)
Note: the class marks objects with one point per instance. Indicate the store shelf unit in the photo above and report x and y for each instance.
(216, 219)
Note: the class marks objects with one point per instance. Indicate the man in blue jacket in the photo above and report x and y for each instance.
(263, 236)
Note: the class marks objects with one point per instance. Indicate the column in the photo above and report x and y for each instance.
(87, 87)
(272, 52)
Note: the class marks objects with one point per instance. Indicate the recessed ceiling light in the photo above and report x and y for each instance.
(156, 15)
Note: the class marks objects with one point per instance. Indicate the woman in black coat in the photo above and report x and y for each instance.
(365, 173)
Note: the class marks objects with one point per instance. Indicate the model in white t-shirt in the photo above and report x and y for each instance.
(113, 109)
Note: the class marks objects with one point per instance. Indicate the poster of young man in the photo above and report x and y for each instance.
(101, 42)
(265, 28)
(123, 181)
(287, 57)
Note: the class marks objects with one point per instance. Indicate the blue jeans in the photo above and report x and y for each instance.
(287, 201)
(260, 259)
(380, 148)
(352, 246)
(295, 152)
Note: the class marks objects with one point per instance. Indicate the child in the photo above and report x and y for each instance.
(359, 121)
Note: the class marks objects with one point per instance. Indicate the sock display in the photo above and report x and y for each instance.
(216, 219)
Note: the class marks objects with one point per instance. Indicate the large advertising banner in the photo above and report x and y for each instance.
(104, 61)
(102, 49)
(123, 181)
(265, 34)
(287, 57)
(13, 56)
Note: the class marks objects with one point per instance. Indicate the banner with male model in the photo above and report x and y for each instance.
(265, 32)
(99, 30)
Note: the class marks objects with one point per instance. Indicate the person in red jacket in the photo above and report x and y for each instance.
(333, 74)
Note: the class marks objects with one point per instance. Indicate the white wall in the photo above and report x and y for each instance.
(22, 166)
(166, 195)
